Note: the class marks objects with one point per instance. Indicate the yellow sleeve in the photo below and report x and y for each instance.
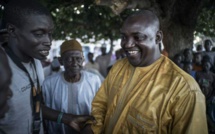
(101, 101)
(99, 108)
(190, 114)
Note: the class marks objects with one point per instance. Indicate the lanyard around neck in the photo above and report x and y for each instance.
(35, 93)
(18, 62)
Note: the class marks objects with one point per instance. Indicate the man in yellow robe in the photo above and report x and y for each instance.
(146, 92)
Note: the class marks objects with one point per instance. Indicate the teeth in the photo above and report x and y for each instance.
(44, 52)
(132, 52)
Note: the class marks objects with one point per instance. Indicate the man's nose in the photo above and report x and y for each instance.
(47, 40)
(73, 61)
(129, 43)
(47, 43)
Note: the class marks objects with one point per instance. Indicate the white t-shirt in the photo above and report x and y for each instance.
(74, 98)
(18, 119)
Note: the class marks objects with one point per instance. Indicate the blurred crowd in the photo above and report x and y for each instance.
(201, 66)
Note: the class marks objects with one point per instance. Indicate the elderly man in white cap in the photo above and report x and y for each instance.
(69, 94)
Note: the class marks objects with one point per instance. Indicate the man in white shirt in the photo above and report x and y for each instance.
(69, 94)
(29, 26)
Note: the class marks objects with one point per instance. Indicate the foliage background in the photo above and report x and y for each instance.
(90, 22)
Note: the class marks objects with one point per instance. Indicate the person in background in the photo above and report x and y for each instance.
(177, 59)
(206, 79)
(208, 45)
(5, 80)
(53, 68)
(29, 26)
(208, 58)
(188, 55)
(197, 61)
(68, 95)
(93, 67)
(104, 59)
(199, 48)
(120, 54)
(188, 67)
(91, 64)
(146, 92)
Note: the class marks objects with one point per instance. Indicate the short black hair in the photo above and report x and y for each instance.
(152, 17)
(186, 50)
(207, 41)
(199, 47)
(16, 10)
(206, 58)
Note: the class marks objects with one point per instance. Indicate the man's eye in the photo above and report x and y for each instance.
(38, 34)
(140, 38)
(79, 59)
(69, 59)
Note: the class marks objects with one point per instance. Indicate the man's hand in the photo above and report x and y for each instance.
(77, 122)
(87, 130)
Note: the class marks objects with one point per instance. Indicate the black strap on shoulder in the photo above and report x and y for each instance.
(35, 93)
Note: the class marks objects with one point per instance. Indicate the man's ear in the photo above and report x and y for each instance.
(159, 37)
(11, 30)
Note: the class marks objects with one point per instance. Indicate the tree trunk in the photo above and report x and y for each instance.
(178, 19)
(111, 41)
(176, 38)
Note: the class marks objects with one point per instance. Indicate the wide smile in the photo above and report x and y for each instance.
(132, 53)
(44, 52)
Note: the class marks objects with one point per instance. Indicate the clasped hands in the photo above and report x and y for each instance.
(78, 122)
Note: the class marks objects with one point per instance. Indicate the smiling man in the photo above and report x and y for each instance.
(146, 92)
(68, 95)
(29, 26)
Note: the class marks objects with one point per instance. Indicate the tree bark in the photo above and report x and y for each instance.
(176, 38)
(178, 19)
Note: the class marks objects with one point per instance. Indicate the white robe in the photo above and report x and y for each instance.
(74, 98)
